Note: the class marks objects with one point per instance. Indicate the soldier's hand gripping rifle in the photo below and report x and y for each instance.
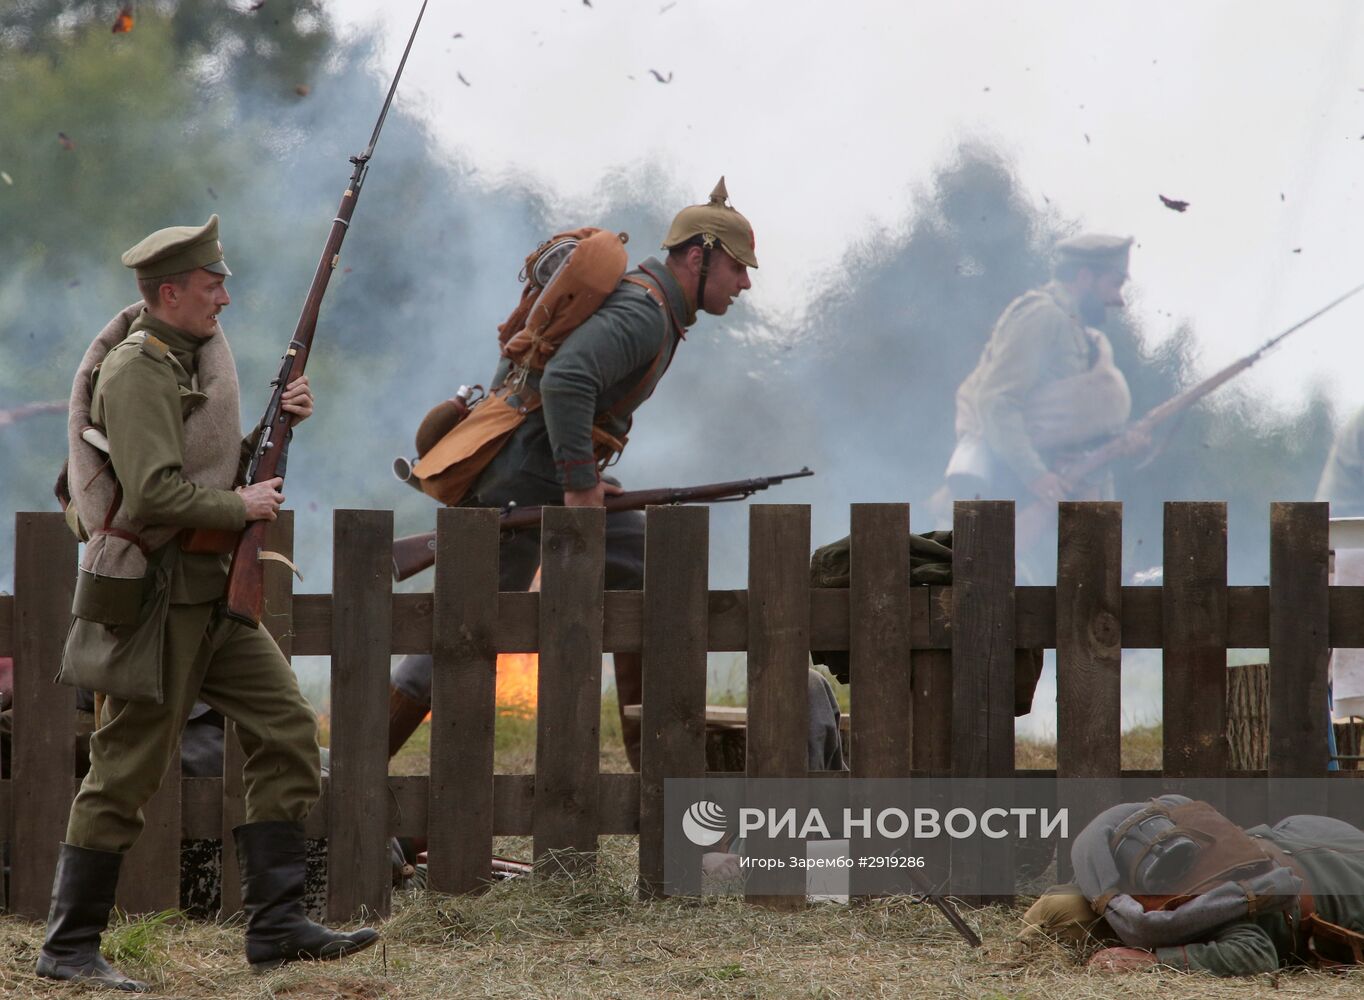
(245, 584)
(1138, 434)
(414, 553)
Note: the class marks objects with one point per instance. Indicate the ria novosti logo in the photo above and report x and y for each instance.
(704, 823)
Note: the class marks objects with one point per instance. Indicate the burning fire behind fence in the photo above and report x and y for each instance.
(517, 677)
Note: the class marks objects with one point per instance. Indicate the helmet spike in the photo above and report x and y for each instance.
(720, 195)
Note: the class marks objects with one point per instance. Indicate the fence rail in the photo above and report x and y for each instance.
(951, 714)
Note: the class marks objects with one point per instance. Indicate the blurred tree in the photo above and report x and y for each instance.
(209, 107)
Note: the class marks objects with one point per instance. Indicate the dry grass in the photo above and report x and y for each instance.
(590, 937)
(1141, 750)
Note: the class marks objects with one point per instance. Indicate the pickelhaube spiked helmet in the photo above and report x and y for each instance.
(716, 222)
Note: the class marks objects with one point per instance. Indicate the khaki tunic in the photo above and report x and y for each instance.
(141, 401)
(1039, 340)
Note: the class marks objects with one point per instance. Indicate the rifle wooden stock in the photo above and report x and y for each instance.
(245, 582)
(414, 553)
(246, 586)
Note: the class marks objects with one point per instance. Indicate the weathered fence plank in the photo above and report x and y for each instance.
(880, 656)
(932, 710)
(983, 619)
(1088, 654)
(43, 781)
(1194, 613)
(568, 737)
(517, 628)
(1089, 641)
(673, 728)
(358, 870)
(463, 700)
(983, 638)
(1299, 646)
(778, 661)
(879, 641)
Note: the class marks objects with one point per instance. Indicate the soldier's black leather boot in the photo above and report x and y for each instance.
(82, 896)
(272, 859)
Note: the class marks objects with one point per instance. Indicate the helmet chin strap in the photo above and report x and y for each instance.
(707, 242)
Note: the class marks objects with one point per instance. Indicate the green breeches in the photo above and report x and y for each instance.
(233, 668)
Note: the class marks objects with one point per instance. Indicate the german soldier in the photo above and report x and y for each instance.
(156, 453)
(601, 373)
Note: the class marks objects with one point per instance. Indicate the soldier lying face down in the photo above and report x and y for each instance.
(1174, 883)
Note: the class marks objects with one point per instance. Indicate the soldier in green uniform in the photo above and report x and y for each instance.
(601, 373)
(156, 453)
(1045, 383)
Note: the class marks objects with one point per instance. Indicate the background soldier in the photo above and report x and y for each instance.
(155, 449)
(1045, 385)
(607, 367)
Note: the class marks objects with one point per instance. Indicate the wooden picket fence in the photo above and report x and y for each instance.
(951, 715)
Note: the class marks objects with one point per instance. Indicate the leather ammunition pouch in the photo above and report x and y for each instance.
(449, 470)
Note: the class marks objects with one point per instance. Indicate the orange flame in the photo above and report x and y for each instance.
(124, 21)
(517, 683)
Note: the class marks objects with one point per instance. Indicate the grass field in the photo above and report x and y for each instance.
(591, 937)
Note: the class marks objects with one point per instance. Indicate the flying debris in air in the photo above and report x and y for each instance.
(661, 78)
(256, 6)
(6, 178)
(458, 34)
(1086, 138)
(1297, 249)
(667, 7)
(1173, 204)
(124, 22)
(462, 80)
(213, 194)
(1281, 197)
(587, 3)
(302, 89)
(66, 141)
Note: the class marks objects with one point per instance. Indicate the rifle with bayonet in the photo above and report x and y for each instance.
(245, 584)
(1138, 434)
(414, 553)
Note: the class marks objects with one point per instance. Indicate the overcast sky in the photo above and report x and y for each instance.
(829, 121)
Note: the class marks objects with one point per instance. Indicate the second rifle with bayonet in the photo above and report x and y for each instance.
(415, 553)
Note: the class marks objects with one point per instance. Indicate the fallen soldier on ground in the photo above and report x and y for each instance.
(1174, 883)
